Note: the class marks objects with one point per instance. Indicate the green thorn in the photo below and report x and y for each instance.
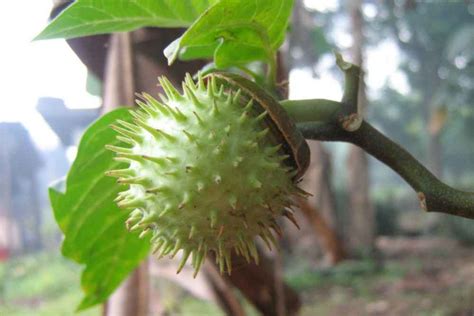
(221, 263)
(192, 97)
(213, 84)
(213, 218)
(191, 232)
(185, 257)
(133, 180)
(215, 109)
(265, 239)
(237, 96)
(170, 90)
(127, 140)
(188, 80)
(228, 262)
(165, 248)
(138, 115)
(130, 126)
(249, 106)
(172, 159)
(163, 108)
(228, 101)
(243, 117)
(262, 134)
(138, 202)
(199, 119)
(134, 157)
(253, 251)
(120, 173)
(210, 90)
(190, 136)
(120, 150)
(261, 116)
(178, 115)
(145, 107)
(158, 160)
(144, 233)
(220, 92)
(157, 246)
(199, 260)
(149, 219)
(274, 149)
(177, 247)
(158, 134)
(166, 210)
(201, 83)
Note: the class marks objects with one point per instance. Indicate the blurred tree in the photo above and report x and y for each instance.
(434, 39)
(361, 231)
(307, 44)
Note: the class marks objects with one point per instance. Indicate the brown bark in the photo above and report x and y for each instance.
(147, 63)
(131, 298)
(256, 283)
(326, 234)
(223, 291)
(320, 208)
(361, 230)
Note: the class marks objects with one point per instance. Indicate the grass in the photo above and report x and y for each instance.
(40, 284)
(355, 274)
(46, 284)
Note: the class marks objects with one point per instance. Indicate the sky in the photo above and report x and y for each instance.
(29, 70)
(382, 63)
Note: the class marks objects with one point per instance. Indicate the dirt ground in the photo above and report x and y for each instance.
(413, 277)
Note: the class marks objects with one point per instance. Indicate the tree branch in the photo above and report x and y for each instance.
(434, 195)
(327, 120)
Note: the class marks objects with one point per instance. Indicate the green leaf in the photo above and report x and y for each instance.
(93, 226)
(235, 32)
(90, 17)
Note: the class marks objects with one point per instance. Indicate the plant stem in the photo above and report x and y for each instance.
(434, 195)
(312, 110)
(327, 120)
(317, 120)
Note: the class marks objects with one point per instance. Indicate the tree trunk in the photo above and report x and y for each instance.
(320, 209)
(257, 284)
(147, 63)
(326, 234)
(131, 298)
(361, 230)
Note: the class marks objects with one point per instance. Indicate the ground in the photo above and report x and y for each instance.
(414, 276)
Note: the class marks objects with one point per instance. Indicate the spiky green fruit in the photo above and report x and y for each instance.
(203, 174)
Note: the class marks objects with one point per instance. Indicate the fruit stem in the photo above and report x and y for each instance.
(311, 110)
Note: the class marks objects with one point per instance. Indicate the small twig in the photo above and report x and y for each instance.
(434, 195)
(327, 120)
(349, 116)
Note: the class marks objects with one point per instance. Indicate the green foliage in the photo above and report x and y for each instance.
(92, 224)
(90, 17)
(354, 274)
(235, 32)
(460, 229)
(41, 284)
